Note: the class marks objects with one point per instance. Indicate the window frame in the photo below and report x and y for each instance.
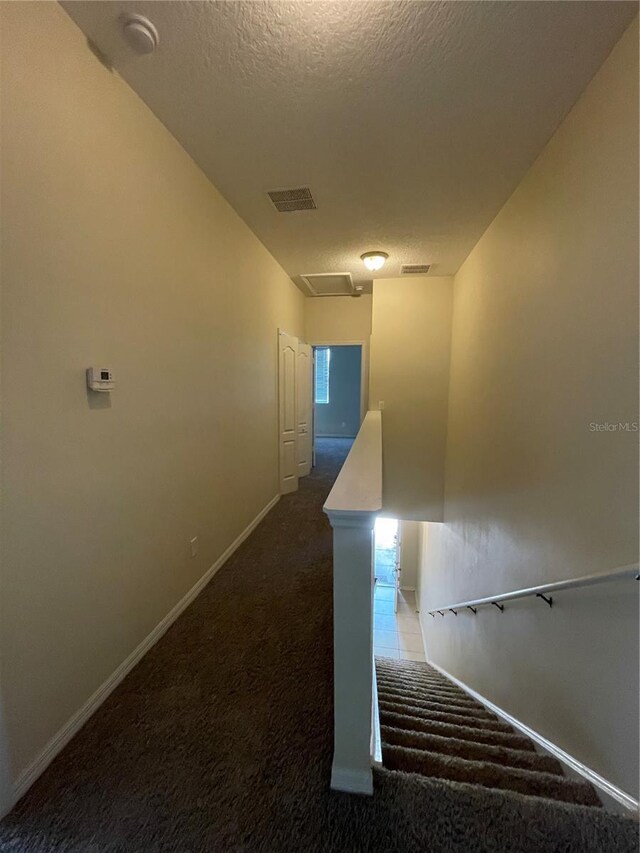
(326, 370)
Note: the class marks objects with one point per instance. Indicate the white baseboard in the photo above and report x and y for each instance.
(75, 723)
(333, 435)
(352, 781)
(376, 737)
(613, 797)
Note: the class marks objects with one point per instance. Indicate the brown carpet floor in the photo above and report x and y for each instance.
(221, 738)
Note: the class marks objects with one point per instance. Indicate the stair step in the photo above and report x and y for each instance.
(409, 667)
(489, 775)
(469, 733)
(433, 695)
(470, 709)
(414, 668)
(407, 679)
(408, 685)
(469, 749)
(410, 677)
(389, 665)
(427, 695)
(406, 708)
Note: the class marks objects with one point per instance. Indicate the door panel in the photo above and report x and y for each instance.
(289, 455)
(304, 406)
(287, 365)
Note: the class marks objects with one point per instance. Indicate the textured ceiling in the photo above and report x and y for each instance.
(411, 122)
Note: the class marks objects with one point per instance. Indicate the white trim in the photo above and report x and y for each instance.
(331, 434)
(376, 737)
(352, 781)
(75, 723)
(613, 796)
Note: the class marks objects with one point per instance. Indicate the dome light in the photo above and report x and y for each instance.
(374, 260)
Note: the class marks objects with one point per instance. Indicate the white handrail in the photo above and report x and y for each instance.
(358, 487)
(544, 590)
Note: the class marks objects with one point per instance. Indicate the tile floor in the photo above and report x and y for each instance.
(396, 635)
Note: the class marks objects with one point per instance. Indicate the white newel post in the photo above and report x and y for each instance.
(352, 508)
(352, 649)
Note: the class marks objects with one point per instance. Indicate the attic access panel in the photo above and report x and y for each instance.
(329, 284)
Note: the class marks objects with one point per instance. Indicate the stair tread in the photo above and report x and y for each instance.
(422, 666)
(454, 694)
(415, 669)
(428, 696)
(470, 749)
(474, 710)
(409, 681)
(444, 716)
(410, 723)
(434, 693)
(489, 774)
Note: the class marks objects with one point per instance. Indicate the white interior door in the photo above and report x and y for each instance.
(288, 432)
(304, 408)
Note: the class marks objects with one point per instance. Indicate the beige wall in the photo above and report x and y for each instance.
(544, 344)
(340, 320)
(335, 319)
(410, 346)
(116, 251)
(410, 555)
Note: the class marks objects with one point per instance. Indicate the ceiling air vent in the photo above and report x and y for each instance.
(415, 269)
(286, 201)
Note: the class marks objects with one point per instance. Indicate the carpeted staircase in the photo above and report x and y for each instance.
(432, 728)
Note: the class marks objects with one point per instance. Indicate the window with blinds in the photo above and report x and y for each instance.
(323, 360)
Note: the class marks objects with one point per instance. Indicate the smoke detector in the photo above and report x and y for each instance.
(140, 34)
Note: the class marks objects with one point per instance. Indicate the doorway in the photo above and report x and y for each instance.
(337, 398)
(386, 541)
(387, 560)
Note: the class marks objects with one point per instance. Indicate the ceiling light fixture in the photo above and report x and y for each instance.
(374, 260)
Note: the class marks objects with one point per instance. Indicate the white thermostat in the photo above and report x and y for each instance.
(100, 379)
